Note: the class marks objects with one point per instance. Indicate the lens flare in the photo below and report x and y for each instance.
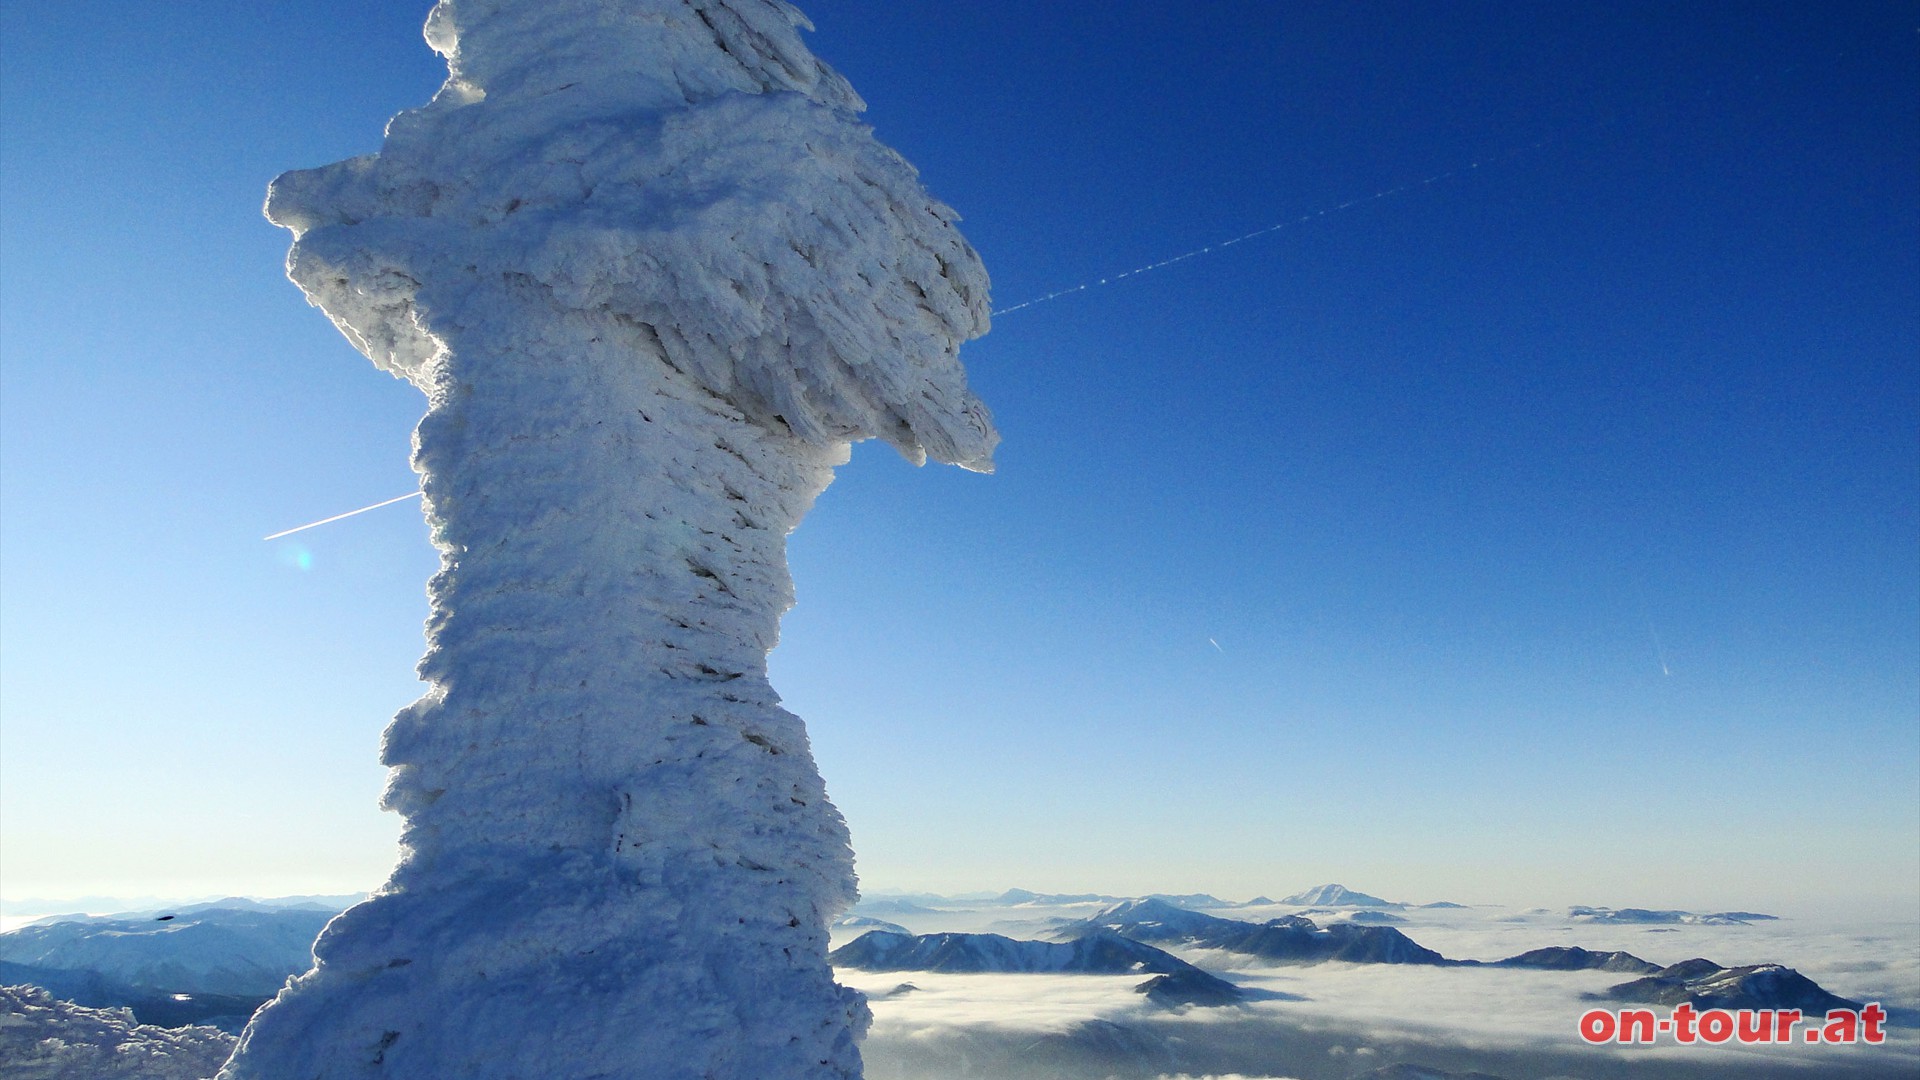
(296, 556)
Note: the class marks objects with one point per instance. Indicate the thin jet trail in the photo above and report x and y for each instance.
(337, 517)
(1659, 650)
(1255, 234)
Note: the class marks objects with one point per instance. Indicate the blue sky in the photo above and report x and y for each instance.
(1548, 533)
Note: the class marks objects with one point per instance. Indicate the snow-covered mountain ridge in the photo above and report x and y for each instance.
(1288, 939)
(1094, 953)
(214, 950)
(1175, 983)
(1652, 917)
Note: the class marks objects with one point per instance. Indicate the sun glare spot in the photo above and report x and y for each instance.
(296, 556)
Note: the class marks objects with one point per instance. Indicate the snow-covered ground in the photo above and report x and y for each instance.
(42, 1038)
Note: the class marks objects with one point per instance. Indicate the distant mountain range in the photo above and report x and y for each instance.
(1292, 939)
(1096, 953)
(1336, 896)
(1177, 982)
(1318, 896)
(131, 907)
(1023, 896)
(893, 906)
(203, 965)
(1644, 915)
(211, 951)
(1016, 897)
(867, 922)
(1122, 939)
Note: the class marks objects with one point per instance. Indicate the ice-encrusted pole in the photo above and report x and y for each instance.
(654, 278)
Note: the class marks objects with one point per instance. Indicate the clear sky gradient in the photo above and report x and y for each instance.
(1548, 533)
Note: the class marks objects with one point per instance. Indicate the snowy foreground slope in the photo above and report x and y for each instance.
(42, 1038)
(653, 277)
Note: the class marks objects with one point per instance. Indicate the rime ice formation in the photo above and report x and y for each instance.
(44, 1038)
(653, 277)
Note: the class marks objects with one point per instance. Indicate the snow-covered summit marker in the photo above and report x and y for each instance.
(654, 277)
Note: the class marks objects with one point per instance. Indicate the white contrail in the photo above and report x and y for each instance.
(1659, 650)
(1301, 220)
(337, 517)
(1215, 644)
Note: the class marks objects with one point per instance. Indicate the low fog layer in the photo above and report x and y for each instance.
(1342, 1020)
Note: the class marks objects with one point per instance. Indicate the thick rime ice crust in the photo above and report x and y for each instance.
(686, 167)
(653, 277)
(44, 1038)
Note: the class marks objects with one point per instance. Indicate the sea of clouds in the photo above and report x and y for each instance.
(1350, 1020)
